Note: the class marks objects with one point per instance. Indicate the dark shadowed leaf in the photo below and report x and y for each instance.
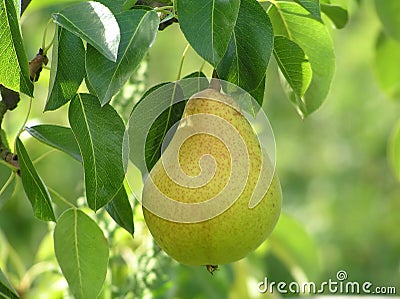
(208, 25)
(293, 63)
(138, 31)
(93, 22)
(67, 68)
(337, 14)
(99, 132)
(58, 137)
(82, 253)
(114, 5)
(7, 184)
(6, 289)
(120, 210)
(312, 6)
(388, 13)
(34, 187)
(246, 59)
(14, 70)
(154, 116)
(258, 93)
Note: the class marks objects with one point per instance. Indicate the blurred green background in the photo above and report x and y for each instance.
(340, 193)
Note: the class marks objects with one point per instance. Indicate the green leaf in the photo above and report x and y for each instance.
(198, 82)
(93, 22)
(67, 68)
(82, 253)
(114, 5)
(159, 129)
(7, 184)
(154, 115)
(17, 5)
(337, 14)
(246, 59)
(58, 137)
(99, 132)
(6, 289)
(293, 63)
(128, 4)
(132, 91)
(289, 19)
(14, 70)
(258, 95)
(394, 150)
(388, 13)
(138, 31)
(208, 25)
(312, 6)
(34, 187)
(387, 52)
(299, 252)
(120, 210)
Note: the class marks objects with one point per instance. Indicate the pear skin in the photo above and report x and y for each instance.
(210, 222)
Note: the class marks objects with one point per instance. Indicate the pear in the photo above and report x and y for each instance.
(196, 200)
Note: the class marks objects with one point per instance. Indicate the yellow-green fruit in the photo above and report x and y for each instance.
(239, 229)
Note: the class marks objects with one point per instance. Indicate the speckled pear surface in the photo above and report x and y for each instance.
(239, 229)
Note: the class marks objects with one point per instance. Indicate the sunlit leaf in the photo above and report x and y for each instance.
(246, 59)
(120, 210)
(82, 253)
(93, 22)
(387, 52)
(14, 70)
(67, 68)
(58, 137)
(293, 63)
(287, 19)
(208, 25)
(34, 187)
(99, 132)
(138, 31)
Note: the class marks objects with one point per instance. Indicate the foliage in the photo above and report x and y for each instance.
(98, 50)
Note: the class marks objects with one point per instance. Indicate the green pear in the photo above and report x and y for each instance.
(196, 200)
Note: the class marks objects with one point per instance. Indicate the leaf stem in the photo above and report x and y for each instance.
(164, 8)
(9, 180)
(22, 128)
(44, 155)
(44, 47)
(182, 61)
